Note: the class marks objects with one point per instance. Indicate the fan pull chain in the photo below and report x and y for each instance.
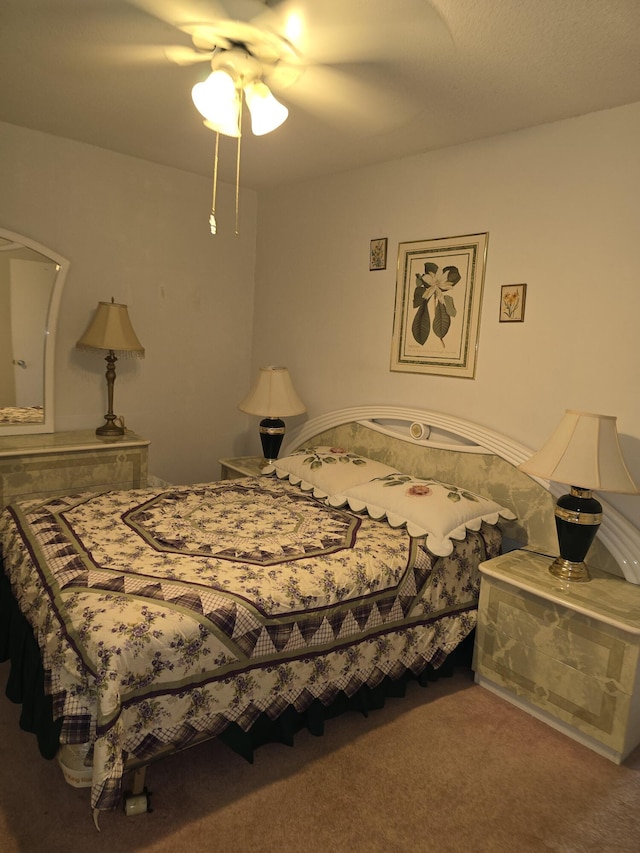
(238, 171)
(212, 218)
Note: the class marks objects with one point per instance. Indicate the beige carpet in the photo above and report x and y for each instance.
(449, 768)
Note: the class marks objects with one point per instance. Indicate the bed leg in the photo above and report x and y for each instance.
(137, 800)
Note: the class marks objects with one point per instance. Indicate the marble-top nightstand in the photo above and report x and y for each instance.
(569, 653)
(241, 466)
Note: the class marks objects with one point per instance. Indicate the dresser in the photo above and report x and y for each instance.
(45, 465)
(568, 653)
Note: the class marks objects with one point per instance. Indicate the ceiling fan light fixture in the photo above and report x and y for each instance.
(267, 113)
(218, 100)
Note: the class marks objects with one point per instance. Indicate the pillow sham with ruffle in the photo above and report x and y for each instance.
(327, 471)
(427, 507)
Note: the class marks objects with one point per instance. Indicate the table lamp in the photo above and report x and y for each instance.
(272, 397)
(583, 452)
(110, 329)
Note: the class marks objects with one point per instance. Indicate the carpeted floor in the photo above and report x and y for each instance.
(449, 768)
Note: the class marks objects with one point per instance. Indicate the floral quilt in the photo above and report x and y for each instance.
(163, 615)
(21, 415)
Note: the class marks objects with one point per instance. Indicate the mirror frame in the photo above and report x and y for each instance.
(47, 424)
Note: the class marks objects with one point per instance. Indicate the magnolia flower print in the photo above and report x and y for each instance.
(433, 287)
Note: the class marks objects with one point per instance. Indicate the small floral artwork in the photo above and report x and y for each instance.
(378, 254)
(512, 297)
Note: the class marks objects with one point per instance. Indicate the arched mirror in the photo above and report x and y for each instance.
(31, 282)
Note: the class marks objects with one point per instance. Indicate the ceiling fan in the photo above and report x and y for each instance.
(326, 57)
(254, 53)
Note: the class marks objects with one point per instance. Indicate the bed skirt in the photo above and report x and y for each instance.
(26, 686)
(26, 681)
(284, 728)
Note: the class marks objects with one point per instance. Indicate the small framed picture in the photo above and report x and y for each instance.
(378, 254)
(512, 299)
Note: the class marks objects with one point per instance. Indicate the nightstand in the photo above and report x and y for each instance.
(241, 466)
(568, 653)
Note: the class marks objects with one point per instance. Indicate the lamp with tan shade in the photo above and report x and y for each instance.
(110, 329)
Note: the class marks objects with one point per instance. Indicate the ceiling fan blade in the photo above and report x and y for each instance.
(135, 55)
(220, 24)
(343, 31)
(184, 55)
(284, 74)
(184, 12)
(206, 36)
(362, 58)
(346, 102)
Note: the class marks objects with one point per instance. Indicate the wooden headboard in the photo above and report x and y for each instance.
(447, 448)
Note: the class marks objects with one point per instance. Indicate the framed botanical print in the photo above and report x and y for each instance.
(378, 254)
(512, 299)
(437, 309)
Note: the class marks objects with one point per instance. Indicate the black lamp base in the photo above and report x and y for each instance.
(578, 516)
(271, 435)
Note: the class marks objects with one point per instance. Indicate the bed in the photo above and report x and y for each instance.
(21, 415)
(164, 616)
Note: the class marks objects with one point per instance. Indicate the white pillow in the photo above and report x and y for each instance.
(427, 507)
(327, 470)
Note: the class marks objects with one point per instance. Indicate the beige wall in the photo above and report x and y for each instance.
(561, 205)
(139, 233)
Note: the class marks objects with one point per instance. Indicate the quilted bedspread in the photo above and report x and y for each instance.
(21, 415)
(164, 615)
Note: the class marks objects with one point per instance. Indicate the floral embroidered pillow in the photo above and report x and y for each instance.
(427, 507)
(327, 470)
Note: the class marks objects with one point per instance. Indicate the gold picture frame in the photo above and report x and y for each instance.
(439, 288)
(512, 301)
(378, 254)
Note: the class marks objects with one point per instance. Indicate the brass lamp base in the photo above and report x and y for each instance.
(568, 571)
(110, 429)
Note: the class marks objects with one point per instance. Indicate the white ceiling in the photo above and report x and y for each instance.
(445, 72)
